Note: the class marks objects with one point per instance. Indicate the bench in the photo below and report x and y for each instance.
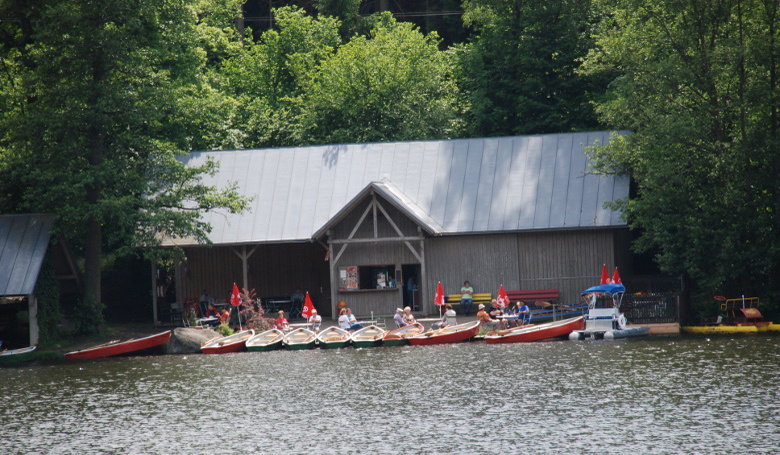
(454, 301)
(534, 295)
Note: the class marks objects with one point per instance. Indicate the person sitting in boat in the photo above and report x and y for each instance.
(448, 313)
(408, 316)
(281, 323)
(315, 320)
(399, 318)
(484, 318)
(523, 313)
(346, 323)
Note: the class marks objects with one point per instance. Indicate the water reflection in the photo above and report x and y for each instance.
(654, 395)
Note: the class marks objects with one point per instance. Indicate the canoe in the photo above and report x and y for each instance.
(14, 356)
(368, 336)
(333, 337)
(401, 335)
(538, 332)
(230, 343)
(453, 334)
(129, 347)
(300, 339)
(265, 341)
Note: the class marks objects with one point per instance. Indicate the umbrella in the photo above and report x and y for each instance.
(307, 306)
(502, 299)
(605, 275)
(439, 298)
(616, 277)
(235, 300)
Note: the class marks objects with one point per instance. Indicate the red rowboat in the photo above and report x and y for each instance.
(538, 332)
(453, 334)
(230, 343)
(125, 347)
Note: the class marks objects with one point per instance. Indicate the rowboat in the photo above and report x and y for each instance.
(14, 356)
(300, 339)
(401, 335)
(230, 343)
(368, 336)
(538, 332)
(453, 334)
(333, 337)
(265, 341)
(129, 347)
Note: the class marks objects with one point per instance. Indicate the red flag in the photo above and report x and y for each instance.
(439, 299)
(502, 300)
(604, 275)
(616, 277)
(235, 300)
(307, 307)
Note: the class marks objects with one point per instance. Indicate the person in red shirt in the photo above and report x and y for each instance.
(224, 317)
(281, 322)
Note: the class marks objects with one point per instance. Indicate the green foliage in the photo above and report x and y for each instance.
(47, 292)
(89, 317)
(224, 329)
(696, 81)
(519, 75)
(392, 85)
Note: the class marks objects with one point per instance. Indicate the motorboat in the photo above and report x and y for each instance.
(604, 319)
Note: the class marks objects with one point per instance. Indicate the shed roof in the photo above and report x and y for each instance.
(461, 186)
(24, 240)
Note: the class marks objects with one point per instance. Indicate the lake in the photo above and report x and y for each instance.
(648, 395)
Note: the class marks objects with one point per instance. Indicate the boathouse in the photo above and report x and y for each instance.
(25, 243)
(355, 223)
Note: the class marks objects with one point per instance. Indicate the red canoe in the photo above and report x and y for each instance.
(537, 332)
(125, 347)
(460, 332)
(230, 343)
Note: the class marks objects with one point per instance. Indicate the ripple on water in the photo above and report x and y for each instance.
(656, 395)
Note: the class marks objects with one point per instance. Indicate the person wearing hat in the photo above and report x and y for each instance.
(484, 318)
(399, 318)
(315, 320)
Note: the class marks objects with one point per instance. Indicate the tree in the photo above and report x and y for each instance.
(696, 82)
(392, 85)
(97, 94)
(267, 78)
(519, 73)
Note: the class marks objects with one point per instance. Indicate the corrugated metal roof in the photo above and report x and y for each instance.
(24, 240)
(461, 186)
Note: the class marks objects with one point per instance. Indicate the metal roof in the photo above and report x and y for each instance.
(24, 240)
(460, 186)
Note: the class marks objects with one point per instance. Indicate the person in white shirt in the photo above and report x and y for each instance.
(315, 320)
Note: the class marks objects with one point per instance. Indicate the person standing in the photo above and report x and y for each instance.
(466, 297)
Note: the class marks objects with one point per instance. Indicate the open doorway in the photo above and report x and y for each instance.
(411, 277)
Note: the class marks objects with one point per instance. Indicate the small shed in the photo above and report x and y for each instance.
(24, 243)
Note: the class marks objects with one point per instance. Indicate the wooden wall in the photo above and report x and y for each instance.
(275, 270)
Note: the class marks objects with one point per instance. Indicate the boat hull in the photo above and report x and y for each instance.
(333, 338)
(401, 335)
(608, 334)
(16, 356)
(228, 344)
(368, 337)
(537, 332)
(300, 339)
(265, 341)
(127, 347)
(454, 334)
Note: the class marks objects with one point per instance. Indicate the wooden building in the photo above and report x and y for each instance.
(347, 222)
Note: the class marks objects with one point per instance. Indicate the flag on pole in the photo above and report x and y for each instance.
(502, 300)
(604, 275)
(307, 307)
(235, 298)
(616, 277)
(439, 298)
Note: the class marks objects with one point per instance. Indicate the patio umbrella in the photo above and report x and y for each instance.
(616, 277)
(439, 298)
(235, 300)
(502, 299)
(604, 275)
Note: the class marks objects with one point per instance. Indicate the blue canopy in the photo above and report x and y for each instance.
(611, 288)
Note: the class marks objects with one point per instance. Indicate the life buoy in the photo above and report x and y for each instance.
(622, 322)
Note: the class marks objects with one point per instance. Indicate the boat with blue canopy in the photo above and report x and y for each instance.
(604, 320)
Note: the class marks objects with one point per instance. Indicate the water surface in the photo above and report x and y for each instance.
(654, 395)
